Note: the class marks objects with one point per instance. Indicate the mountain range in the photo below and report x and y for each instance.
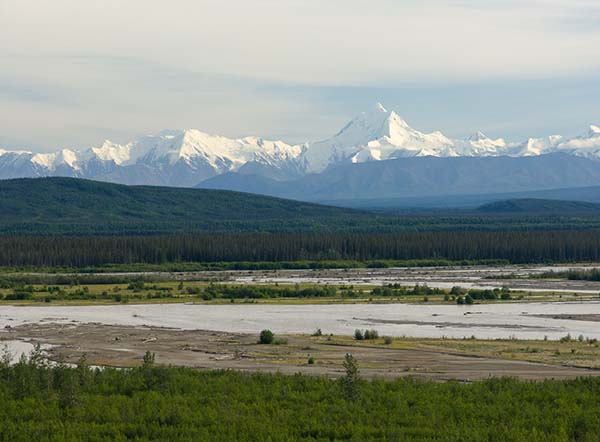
(423, 177)
(376, 155)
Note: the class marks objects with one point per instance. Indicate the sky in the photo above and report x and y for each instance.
(76, 72)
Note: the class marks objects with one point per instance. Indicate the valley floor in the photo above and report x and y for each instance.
(429, 335)
(437, 359)
(528, 283)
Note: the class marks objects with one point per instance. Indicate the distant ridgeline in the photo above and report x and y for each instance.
(81, 207)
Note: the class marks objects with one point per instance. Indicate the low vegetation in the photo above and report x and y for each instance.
(574, 351)
(152, 403)
(574, 275)
(122, 289)
(366, 335)
(99, 270)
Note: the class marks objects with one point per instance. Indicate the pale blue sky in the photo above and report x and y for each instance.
(75, 72)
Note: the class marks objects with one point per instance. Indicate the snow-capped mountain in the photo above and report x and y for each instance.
(480, 144)
(587, 145)
(382, 135)
(188, 157)
(178, 158)
(373, 136)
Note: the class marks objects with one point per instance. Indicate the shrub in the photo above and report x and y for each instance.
(349, 382)
(387, 340)
(311, 360)
(266, 337)
(358, 335)
(136, 286)
(566, 338)
(371, 334)
(149, 359)
(456, 290)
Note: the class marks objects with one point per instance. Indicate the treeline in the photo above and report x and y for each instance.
(514, 246)
(124, 272)
(258, 292)
(454, 294)
(574, 275)
(151, 403)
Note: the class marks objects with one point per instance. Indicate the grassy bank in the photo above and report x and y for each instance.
(103, 289)
(91, 289)
(572, 351)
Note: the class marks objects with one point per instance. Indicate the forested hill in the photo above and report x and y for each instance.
(70, 205)
(58, 206)
(536, 205)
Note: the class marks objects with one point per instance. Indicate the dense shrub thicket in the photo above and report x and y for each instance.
(175, 404)
(575, 275)
(514, 246)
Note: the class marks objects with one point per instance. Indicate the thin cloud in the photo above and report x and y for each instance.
(81, 71)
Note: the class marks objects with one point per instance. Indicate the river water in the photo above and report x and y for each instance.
(507, 320)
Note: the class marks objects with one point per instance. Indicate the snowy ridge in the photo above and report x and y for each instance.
(187, 157)
(382, 135)
(172, 157)
(374, 135)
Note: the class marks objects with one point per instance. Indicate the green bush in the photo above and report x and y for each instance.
(371, 334)
(358, 335)
(266, 337)
(136, 286)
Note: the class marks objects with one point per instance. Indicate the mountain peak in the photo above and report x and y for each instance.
(478, 136)
(375, 114)
(379, 108)
(396, 120)
(371, 125)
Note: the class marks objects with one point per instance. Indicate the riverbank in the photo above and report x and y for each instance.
(437, 359)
